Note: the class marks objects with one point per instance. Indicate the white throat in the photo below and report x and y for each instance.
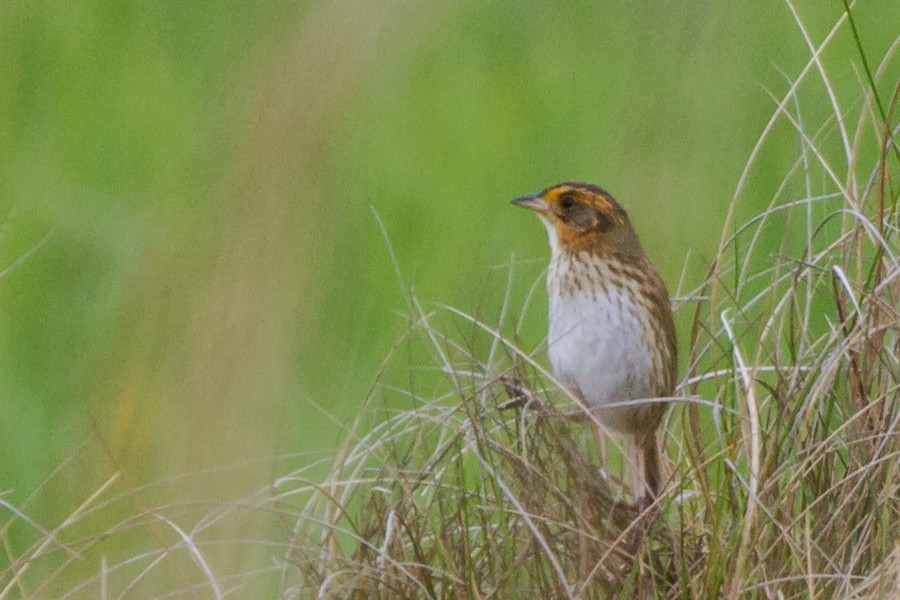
(551, 234)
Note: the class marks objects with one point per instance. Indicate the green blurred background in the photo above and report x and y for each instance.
(194, 274)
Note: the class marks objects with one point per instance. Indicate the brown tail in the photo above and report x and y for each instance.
(649, 473)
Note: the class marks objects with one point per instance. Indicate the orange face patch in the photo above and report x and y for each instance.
(583, 215)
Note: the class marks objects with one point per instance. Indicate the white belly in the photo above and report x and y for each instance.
(597, 348)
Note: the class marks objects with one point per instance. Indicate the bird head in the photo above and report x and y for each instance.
(583, 217)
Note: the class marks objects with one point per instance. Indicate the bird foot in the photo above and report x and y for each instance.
(520, 396)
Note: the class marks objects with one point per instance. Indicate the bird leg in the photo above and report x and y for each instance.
(521, 397)
(649, 476)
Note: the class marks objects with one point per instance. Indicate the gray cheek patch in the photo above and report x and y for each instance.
(586, 218)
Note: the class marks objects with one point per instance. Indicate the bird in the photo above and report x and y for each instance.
(611, 332)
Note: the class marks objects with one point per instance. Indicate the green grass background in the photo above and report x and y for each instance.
(192, 187)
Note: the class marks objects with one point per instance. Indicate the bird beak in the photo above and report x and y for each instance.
(535, 202)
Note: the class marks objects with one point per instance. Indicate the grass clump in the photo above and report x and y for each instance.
(782, 447)
(783, 455)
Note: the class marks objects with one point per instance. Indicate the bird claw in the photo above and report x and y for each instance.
(521, 397)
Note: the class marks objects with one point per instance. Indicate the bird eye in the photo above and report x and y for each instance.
(567, 202)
